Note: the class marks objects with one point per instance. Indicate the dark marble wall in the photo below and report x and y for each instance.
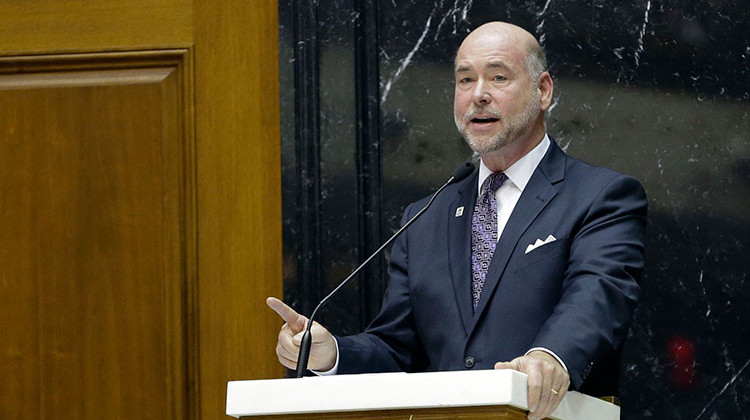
(655, 89)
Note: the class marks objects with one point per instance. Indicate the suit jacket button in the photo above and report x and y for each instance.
(469, 362)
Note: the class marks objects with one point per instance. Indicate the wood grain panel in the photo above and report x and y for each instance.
(239, 193)
(70, 25)
(67, 249)
(94, 291)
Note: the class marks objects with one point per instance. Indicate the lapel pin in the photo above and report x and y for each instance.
(460, 211)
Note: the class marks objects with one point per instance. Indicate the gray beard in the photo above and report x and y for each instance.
(511, 128)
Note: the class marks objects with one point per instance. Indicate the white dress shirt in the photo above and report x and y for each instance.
(518, 176)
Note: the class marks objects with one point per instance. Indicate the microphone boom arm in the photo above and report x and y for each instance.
(304, 352)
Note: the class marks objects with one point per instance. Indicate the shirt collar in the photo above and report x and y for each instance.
(520, 172)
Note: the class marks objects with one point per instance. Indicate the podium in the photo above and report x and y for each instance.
(480, 394)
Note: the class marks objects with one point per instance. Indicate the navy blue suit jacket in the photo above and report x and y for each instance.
(574, 296)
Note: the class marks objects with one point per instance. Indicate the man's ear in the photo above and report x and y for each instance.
(546, 87)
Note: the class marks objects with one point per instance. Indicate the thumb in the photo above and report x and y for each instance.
(297, 338)
(290, 316)
(319, 334)
(513, 364)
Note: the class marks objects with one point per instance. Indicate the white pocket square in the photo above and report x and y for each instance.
(539, 243)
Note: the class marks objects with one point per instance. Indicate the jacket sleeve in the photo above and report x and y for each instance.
(390, 343)
(600, 287)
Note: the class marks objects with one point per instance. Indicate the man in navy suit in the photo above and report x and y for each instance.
(554, 297)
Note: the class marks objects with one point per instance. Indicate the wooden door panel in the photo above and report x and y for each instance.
(94, 286)
(65, 25)
(88, 141)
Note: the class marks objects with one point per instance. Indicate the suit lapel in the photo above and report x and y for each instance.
(538, 193)
(459, 247)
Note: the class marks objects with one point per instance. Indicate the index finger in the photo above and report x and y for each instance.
(289, 315)
(534, 390)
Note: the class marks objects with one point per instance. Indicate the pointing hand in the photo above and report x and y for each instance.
(323, 350)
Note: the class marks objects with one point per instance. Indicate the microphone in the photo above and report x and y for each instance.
(304, 351)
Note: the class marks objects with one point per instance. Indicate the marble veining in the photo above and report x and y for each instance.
(642, 32)
(405, 62)
(541, 36)
(722, 391)
(655, 89)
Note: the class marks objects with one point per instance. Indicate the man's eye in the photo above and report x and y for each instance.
(499, 78)
(465, 80)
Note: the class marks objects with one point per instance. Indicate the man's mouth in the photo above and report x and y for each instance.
(484, 120)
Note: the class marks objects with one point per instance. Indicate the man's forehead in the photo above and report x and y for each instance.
(488, 55)
(490, 63)
(497, 49)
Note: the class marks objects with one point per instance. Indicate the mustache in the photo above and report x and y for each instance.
(485, 112)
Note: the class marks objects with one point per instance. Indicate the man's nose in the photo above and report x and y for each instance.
(481, 96)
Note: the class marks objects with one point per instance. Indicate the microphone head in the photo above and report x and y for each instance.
(462, 172)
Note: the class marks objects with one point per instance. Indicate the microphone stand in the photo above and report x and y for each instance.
(304, 351)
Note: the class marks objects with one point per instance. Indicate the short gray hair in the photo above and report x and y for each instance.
(535, 61)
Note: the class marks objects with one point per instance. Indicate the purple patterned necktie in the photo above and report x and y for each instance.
(484, 233)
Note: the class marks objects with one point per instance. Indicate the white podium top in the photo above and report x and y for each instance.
(390, 391)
